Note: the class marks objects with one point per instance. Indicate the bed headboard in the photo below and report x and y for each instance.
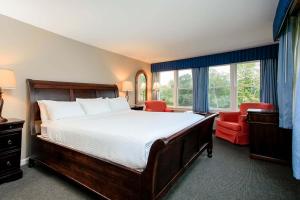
(62, 91)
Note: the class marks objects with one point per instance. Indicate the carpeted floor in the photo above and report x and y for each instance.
(229, 175)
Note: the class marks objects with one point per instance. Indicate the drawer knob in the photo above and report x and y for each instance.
(10, 126)
(8, 163)
(9, 142)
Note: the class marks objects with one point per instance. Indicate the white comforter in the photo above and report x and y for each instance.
(123, 137)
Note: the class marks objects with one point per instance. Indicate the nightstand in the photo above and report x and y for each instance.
(267, 140)
(136, 107)
(10, 150)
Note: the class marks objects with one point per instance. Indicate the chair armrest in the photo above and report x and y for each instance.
(148, 109)
(168, 110)
(229, 116)
(242, 119)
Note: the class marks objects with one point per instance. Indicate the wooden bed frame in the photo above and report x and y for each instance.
(168, 157)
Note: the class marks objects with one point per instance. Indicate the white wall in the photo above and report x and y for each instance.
(38, 54)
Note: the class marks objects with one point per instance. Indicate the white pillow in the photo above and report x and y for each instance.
(94, 106)
(119, 103)
(63, 109)
(43, 111)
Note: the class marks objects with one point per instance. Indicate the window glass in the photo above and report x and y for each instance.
(248, 82)
(166, 80)
(185, 88)
(141, 88)
(219, 87)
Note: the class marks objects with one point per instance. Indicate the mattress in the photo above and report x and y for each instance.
(123, 137)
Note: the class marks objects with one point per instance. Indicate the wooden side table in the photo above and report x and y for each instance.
(137, 107)
(10, 150)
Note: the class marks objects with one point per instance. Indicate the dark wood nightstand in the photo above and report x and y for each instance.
(267, 140)
(136, 107)
(10, 150)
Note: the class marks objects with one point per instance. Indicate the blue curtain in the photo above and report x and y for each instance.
(200, 89)
(285, 76)
(296, 124)
(281, 15)
(258, 53)
(268, 81)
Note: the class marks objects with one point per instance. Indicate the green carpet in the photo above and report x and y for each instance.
(229, 174)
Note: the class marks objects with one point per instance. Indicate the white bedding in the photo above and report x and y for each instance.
(123, 137)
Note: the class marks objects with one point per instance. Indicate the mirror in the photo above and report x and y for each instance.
(140, 87)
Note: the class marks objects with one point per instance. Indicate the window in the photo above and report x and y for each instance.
(176, 88)
(166, 90)
(219, 87)
(141, 87)
(231, 85)
(185, 88)
(248, 82)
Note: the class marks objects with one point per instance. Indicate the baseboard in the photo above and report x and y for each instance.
(24, 161)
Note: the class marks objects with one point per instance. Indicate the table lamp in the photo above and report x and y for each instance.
(127, 87)
(7, 82)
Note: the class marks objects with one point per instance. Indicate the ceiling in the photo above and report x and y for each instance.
(152, 30)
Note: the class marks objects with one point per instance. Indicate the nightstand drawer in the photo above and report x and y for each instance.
(10, 162)
(10, 141)
(8, 127)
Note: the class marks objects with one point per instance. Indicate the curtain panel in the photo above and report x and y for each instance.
(200, 89)
(258, 53)
(296, 120)
(155, 78)
(268, 81)
(286, 75)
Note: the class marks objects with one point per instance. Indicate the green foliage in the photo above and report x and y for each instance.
(248, 87)
(185, 90)
(219, 88)
(166, 92)
(248, 79)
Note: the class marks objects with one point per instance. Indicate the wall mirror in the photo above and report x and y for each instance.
(140, 87)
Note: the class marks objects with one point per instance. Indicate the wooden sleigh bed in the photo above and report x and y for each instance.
(168, 157)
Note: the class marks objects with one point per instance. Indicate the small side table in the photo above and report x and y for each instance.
(137, 107)
(10, 150)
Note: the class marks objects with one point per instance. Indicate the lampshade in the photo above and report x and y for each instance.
(156, 86)
(7, 79)
(127, 86)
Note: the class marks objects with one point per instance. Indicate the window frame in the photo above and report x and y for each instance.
(176, 92)
(233, 87)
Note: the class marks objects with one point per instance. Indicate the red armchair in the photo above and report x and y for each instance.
(233, 127)
(157, 106)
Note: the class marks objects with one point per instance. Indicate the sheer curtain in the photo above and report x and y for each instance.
(200, 89)
(155, 78)
(296, 117)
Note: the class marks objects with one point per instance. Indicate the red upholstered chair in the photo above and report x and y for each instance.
(233, 127)
(157, 106)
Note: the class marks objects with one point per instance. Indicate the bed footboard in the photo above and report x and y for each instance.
(170, 157)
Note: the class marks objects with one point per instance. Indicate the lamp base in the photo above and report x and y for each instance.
(2, 119)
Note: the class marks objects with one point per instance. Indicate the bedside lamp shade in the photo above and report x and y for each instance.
(7, 79)
(127, 86)
(7, 82)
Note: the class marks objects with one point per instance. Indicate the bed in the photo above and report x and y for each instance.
(150, 178)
